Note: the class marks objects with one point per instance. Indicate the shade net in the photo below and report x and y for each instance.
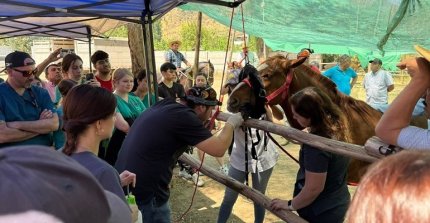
(367, 28)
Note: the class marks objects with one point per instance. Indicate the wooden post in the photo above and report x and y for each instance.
(330, 145)
(197, 50)
(250, 193)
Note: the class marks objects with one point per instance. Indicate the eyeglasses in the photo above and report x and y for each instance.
(26, 73)
(208, 93)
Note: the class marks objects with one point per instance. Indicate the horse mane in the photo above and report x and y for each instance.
(345, 102)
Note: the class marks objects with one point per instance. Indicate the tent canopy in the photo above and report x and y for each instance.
(77, 19)
(367, 28)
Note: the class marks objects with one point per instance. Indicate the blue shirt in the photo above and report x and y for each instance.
(175, 58)
(14, 107)
(342, 79)
(59, 136)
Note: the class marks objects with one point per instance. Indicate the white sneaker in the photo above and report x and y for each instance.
(183, 173)
(224, 169)
(197, 180)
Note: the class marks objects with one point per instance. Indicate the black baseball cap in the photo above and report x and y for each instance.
(376, 60)
(18, 59)
(202, 96)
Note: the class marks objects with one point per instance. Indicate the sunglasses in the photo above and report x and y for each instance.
(26, 73)
(208, 93)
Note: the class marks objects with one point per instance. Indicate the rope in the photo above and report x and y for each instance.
(280, 147)
(221, 97)
(181, 218)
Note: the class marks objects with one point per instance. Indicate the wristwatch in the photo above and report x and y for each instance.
(290, 205)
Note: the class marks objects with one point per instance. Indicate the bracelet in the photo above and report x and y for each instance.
(290, 205)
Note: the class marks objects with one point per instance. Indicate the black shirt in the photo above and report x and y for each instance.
(335, 190)
(154, 143)
(176, 91)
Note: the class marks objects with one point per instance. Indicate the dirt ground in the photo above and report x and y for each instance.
(209, 197)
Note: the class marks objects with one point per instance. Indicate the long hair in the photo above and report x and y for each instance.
(68, 60)
(83, 106)
(325, 117)
(395, 189)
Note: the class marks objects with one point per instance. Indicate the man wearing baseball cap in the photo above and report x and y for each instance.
(394, 128)
(174, 56)
(160, 135)
(377, 84)
(27, 114)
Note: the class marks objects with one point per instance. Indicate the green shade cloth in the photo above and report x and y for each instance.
(354, 27)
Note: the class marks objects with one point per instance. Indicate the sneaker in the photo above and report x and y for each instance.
(224, 169)
(197, 180)
(184, 174)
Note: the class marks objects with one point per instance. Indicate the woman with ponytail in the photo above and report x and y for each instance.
(89, 117)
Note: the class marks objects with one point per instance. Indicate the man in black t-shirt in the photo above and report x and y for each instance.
(169, 88)
(159, 136)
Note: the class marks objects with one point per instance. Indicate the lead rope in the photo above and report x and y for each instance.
(212, 121)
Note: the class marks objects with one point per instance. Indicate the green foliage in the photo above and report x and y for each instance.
(120, 31)
(19, 43)
(210, 40)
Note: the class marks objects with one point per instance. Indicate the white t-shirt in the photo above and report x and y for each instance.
(413, 137)
(266, 157)
(251, 58)
(376, 85)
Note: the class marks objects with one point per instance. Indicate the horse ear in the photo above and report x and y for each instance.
(298, 61)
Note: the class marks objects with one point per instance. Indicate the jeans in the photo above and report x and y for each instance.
(153, 213)
(259, 182)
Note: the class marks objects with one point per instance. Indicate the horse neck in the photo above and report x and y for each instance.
(298, 83)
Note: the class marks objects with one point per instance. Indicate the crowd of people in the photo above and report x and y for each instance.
(103, 132)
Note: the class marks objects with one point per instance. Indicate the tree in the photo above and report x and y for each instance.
(135, 43)
(22, 43)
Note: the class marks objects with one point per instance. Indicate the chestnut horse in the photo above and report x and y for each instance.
(283, 77)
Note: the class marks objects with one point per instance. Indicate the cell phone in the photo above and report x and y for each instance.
(89, 76)
(64, 52)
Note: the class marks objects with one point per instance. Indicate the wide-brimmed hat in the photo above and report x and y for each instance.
(174, 42)
(423, 52)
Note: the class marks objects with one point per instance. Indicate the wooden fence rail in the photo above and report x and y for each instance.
(248, 192)
(330, 145)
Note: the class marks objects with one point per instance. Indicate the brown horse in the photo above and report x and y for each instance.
(283, 77)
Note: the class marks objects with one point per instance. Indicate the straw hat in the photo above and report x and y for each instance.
(423, 52)
(244, 45)
(175, 42)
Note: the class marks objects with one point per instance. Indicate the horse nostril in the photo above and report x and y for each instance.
(233, 102)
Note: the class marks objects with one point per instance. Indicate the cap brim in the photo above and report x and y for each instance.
(120, 211)
(423, 52)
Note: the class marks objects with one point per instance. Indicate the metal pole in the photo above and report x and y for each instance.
(89, 47)
(148, 47)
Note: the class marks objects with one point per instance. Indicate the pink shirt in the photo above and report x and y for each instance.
(50, 87)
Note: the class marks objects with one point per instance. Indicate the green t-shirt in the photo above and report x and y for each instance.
(145, 99)
(131, 109)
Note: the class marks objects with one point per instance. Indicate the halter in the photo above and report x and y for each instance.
(283, 89)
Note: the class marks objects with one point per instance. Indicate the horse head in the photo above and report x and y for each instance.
(277, 74)
(251, 87)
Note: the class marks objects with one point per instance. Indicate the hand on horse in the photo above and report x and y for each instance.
(235, 120)
(418, 68)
